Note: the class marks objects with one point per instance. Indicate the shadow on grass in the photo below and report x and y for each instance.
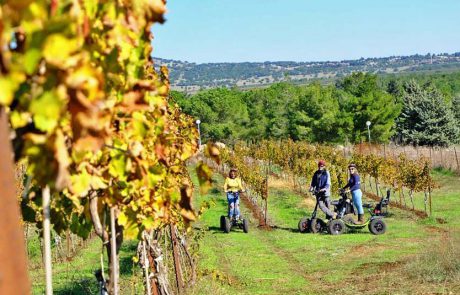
(82, 287)
(216, 230)
(289, 229)
(126, 262)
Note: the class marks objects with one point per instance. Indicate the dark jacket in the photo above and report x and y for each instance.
(354, 183)
(320, 180)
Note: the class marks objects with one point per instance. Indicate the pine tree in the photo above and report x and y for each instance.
(426, 118)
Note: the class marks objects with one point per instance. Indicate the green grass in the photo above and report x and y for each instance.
(77, 275)
(283, 261)
(412, 257)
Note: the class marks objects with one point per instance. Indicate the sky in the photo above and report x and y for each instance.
(204, 31)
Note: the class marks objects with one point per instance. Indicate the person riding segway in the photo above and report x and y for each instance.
(233, 187)
(321, 188)
(321, 185)
(354, 184)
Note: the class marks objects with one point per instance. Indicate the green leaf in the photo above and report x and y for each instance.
(8, 86)
(58, 49)
(117, 166)
(81, 183)
(156, 174)
(18, 119)
(31, 60)
(122, 219)
(46, 111)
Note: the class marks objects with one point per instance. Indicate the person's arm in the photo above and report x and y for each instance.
(313, 182)
(328, 181)
(240, 184)
(350, 183)
(226, 185)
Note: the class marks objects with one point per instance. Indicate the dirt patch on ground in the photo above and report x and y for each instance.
(366, 249)
(378, 267)
(255, 210)
(435, 229)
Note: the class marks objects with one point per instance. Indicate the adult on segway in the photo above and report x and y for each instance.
(354, 184)
(233, 187)
(321, 185)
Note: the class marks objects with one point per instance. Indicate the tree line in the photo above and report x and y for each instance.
(403, 110)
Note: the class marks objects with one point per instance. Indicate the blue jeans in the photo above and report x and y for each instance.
(233, 204)
(357, 200)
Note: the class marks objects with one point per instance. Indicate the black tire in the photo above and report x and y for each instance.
(222, 222)
(336, 227)
(377, 226)
(304, 225)
(316, 225)
(227, 225)
(245, 226)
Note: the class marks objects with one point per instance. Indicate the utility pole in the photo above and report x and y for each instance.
(368, 123)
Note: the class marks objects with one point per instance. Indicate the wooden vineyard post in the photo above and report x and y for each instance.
(266, 192)
(114, 274)
(13, 267)
(67, 237)
(47, 239)
(442, 161)
(456, 158)
(266, 201)
(431, 156)
(429, 197)
(175, 246)
(146, 268)
(425, 200)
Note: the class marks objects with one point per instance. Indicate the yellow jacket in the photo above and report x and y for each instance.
(233, 184)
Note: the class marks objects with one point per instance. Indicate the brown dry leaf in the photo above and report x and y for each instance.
(185, 203)
(212, 151)
(155, 10)
(89, 143)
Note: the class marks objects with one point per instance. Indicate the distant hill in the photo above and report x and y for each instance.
(190, 77)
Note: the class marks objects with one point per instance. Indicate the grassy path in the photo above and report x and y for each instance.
(415, 256)
(77, 275)
(283, 261)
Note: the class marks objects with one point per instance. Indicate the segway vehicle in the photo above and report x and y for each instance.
(226, 223)
(345, 220)
(314, 224)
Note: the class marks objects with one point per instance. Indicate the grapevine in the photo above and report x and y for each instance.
(91, 116)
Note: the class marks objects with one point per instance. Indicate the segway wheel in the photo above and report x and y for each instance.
(316, 225)
(222, 222)
(245, 226)
(336, 227)
(377, 226)
(227, 225)
(304, 225)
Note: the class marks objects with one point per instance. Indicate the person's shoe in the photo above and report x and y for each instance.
(334, 216)
(360, 219)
